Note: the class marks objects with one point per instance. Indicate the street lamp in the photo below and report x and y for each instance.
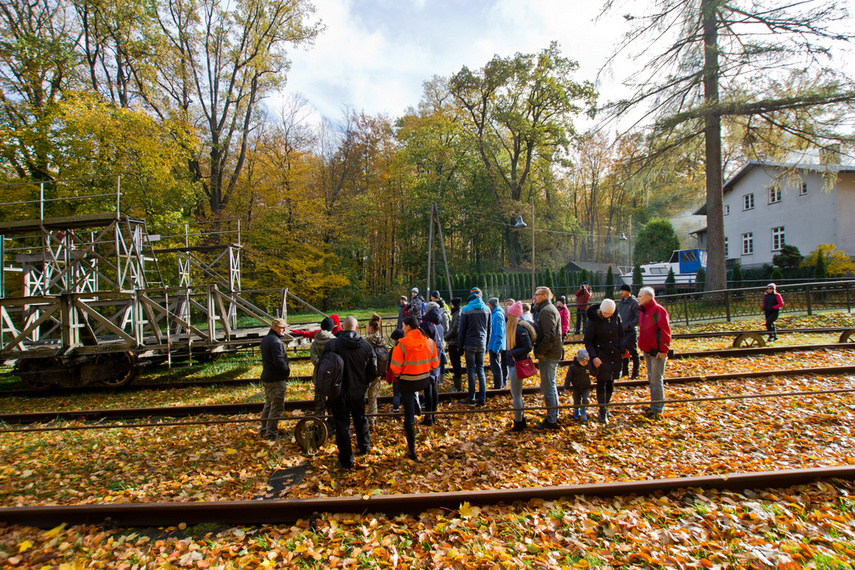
(521, 224)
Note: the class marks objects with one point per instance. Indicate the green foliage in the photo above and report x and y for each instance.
(700, 279)
(656, 241)
(548, 280)
(790, 256)
(776, 274)
(610, 284)
(819, 269)
(637, 278)
(670, 283)
(736, 277)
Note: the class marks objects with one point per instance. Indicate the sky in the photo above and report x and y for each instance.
(375, 55)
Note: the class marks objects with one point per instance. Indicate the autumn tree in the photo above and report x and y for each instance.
(762, 60)
(827, 261)
(517, 110)
(216, 62)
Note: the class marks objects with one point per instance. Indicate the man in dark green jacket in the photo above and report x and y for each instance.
(549, 350)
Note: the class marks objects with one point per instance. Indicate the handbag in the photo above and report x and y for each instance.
(525, 368)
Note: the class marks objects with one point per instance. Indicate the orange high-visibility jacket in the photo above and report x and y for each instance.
(413, 357)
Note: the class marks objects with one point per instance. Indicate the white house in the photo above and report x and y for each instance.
(767, 205)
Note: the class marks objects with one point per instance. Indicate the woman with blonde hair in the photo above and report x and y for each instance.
(374, 336)
(520, 337)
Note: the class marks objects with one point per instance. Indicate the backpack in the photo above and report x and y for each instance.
(330, 375)
(381, 353)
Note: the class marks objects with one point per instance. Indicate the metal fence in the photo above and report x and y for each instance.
(731, 304)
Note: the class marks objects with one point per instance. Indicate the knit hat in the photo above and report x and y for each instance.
(584, 282)
(516, 309)
(279, 323)
(327, 324)
(335, 320)
(563, 299)
(397, 334)
(435, 294)
(431, 305)
(414, 290)
(475, 291)
(607, 306)
(582, 354)
(626, 287)
(493, 301)
(456, 302)
(770, 285)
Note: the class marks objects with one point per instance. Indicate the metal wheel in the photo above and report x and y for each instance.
(847, 336)
(33, 370)
(749, 340)
(311, 433)
(125, 365)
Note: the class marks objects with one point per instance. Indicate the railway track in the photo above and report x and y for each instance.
(727, 353)
(305, 405)
(275, 511)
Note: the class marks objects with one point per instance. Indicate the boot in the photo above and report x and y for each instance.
(519, 425)
(410, 430)
(576, 413)
(604, 416)
(458, 384)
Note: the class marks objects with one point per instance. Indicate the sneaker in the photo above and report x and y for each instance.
(519, 426)
(480, 403)
(468, 401)
(651, 415)
(547, 425)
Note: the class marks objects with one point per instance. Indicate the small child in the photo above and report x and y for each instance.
(580, 381)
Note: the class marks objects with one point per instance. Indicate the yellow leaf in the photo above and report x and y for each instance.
(25, 546)
(231, 451)
(467, 511)
(54, 531)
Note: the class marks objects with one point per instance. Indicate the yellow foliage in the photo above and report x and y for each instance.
(837, 263)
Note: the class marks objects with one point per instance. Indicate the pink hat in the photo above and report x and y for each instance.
(516, 309)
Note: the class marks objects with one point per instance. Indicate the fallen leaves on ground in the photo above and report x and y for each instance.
(808, 526)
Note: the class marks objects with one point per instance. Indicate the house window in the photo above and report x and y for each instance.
(726, 248)
(777, 238)
(748, 202)
(726, 209)
(748, 243)
(803, 189)
(774, 194)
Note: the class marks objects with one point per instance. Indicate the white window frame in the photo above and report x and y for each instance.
(748, 201)
(726, 248)
(779, 235)
(726, 209)
(748, 243)
(803, 189)
(774, 194)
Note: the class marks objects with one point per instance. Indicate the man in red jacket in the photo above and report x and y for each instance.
(654, 338)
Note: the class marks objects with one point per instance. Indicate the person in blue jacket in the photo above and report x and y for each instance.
(472, 335)
(496, 345)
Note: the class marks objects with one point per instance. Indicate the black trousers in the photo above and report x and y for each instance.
(455, 355)
(607, 373)
(343, 410)
(771, 317)
(630, 338)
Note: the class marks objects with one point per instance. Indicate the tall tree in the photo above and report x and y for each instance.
(519, 110)
(732, 59)
(655, 242)
(217, 61)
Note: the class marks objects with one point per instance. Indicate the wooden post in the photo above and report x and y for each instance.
(444, 257)
(807, 296)
(727, 304)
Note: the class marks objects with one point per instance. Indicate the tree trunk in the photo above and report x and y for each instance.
(716, 263)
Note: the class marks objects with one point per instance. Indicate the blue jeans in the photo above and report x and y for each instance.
(516, 395)
(655, 375)
(498, 366)
(548, 369)
(475, 369)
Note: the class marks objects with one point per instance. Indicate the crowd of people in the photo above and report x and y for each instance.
(434, 337)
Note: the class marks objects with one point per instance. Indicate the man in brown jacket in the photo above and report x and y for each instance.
(549, 350)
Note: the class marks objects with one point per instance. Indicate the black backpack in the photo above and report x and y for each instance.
(381, 354)
(330, 375)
